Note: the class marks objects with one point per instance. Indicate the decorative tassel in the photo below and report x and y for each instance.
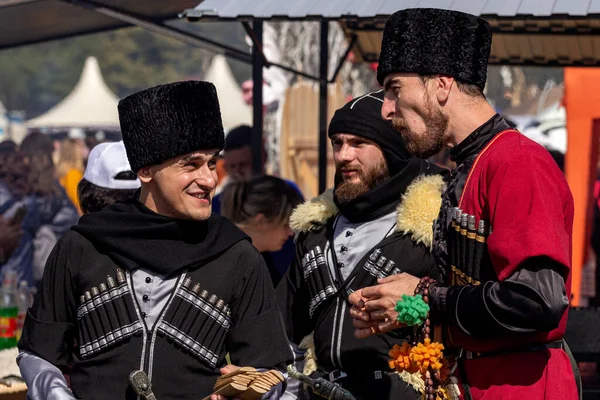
(422, 365)
(412, 310)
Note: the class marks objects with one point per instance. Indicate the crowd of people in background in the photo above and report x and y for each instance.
(46, 184)
(32, 198)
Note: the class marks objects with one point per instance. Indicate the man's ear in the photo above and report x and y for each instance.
(145, 174)
(260, 221)
(443, 84)
(260, 218)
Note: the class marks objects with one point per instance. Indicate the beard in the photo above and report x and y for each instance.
(345, 192)
(429, 143)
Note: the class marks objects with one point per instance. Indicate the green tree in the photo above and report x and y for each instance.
(36, 77)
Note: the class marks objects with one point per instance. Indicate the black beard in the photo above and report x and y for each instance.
(429, 144)
(345, 192)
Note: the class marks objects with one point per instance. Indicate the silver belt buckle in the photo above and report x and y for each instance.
(336, 375)
(465, 354)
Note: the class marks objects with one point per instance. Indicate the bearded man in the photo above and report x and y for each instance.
(376, 222)
(507, 279)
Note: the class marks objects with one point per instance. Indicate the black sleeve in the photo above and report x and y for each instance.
(294, 299)
(257, 337)
(430, 267)
(49, 328)
(533, 299)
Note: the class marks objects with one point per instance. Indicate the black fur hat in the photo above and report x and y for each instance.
(430, 41)
(170, 120)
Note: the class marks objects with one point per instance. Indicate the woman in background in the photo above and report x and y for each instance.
(31, 198)
(70, 169)
(261, 208)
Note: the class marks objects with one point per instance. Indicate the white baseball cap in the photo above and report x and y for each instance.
(105, 162)
(76, 133)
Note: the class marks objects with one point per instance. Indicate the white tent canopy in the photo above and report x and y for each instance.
(234, 111)
(91, 104)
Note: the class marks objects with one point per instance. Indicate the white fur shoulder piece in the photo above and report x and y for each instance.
(419, 207)
(313, 212)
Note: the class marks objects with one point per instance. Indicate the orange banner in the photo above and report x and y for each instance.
(582, 103)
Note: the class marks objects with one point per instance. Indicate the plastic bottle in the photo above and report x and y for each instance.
(22, 305)
(8, 311)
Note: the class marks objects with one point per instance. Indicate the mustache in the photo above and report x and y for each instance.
(348, 167)
(399, 124)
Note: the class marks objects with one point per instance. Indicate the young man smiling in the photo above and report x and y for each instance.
(156, 283)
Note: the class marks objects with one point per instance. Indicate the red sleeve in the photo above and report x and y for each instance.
(531, 211)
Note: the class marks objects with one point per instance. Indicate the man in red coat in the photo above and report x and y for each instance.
(504, 309)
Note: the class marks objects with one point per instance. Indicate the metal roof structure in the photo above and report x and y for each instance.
(25, 22)
(526, 32)
(338, 9)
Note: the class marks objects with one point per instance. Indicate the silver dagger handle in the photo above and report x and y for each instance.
(141, 384)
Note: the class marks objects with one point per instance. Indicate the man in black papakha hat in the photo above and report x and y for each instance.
(375, 223)
(156, 283)
(506, 312)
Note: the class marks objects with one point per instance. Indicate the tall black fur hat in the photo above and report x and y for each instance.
(430, 41)
(170, 120)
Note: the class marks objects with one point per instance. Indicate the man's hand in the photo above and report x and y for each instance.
(373, 308)
(228, 369)
(361, 319)
(224, 371)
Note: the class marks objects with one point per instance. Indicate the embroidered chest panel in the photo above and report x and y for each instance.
(197, 321)
(459, 237)
(106, 316)
(467, 249)
(322, 285)
(193, 320)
